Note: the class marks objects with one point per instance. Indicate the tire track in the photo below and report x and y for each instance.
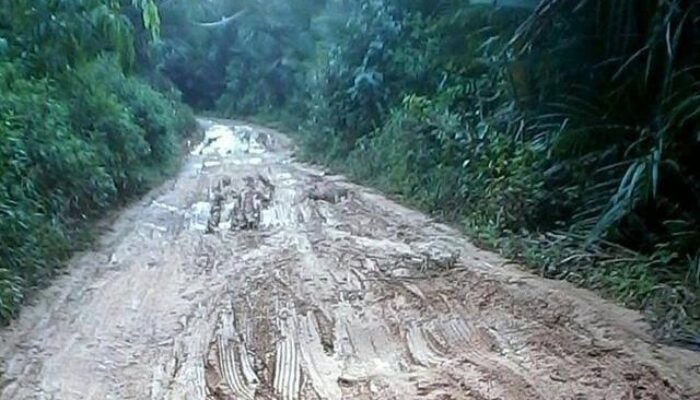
(287, 377)
(232, 356)
(421, 349)
(324, 370)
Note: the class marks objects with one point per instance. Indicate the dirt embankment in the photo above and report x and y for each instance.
(250, 276)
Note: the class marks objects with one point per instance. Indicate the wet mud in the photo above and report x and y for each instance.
(252, 276)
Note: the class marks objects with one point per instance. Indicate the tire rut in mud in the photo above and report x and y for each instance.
(239, 208)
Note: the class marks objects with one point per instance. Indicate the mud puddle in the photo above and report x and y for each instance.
(250, 276)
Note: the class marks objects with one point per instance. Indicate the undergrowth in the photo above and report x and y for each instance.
(71, 148)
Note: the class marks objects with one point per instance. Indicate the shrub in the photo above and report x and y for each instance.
(70, 148)
(429, 156)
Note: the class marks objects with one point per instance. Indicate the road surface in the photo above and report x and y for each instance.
(252, 276)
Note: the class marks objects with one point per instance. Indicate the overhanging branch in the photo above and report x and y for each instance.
(224, 21)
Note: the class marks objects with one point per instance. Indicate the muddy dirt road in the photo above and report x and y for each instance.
(250, 276)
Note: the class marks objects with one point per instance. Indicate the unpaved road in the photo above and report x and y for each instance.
(250, 276)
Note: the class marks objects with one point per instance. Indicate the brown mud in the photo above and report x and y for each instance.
(252, 276)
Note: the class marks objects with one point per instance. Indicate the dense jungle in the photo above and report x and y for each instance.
(558, 133)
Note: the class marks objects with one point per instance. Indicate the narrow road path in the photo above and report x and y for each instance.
(251, 276)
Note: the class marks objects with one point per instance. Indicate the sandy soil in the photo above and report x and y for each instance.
(251, 276)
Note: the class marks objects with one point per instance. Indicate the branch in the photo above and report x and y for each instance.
(224, 21)
(528, 4)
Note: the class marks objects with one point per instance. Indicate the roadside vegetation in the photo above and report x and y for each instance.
(560, 132)
(80, 131)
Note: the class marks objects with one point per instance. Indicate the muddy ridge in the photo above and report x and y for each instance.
(251, 276)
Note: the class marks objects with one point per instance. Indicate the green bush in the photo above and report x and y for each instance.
(69, 149)
(424, 154)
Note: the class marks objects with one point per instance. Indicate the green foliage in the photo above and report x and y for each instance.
(52, 36)
(266, 51)
(138, 126)
(348, 89)
(150, 16)
(424, 154)
(77, 135)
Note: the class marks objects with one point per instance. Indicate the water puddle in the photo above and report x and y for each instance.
(224, 140)
(198, 216)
